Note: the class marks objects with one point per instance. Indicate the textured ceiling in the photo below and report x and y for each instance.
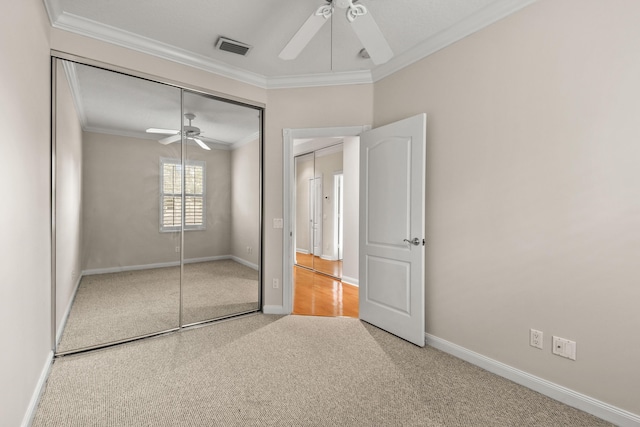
(188, 30)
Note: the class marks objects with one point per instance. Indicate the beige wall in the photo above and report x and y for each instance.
(301, 108)
(303, 173)
(245, 202)
(68, 197)
(533, 202)
(121, 213)
(326, 166)
(25, 303)
(350, 269)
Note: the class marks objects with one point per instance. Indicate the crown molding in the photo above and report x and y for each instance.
(324, 79)
(96, 30)
(106, 33)
(76, 94)
(244, 141)
(483, 18)
(54, 10)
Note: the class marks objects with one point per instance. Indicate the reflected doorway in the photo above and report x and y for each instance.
(319, 215)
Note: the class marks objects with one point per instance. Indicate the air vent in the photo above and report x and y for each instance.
(233, 46)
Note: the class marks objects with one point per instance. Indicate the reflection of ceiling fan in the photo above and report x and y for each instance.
(361, 21)
(191, 133)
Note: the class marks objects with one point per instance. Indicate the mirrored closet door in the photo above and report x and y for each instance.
(156, 211)
(319, 210)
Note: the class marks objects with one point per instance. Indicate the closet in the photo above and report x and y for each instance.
(156, 206)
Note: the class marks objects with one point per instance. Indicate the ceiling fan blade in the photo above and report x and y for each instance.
(170, 139)
(167, 131)
(200, 143)
(304, 35)
(371, 38)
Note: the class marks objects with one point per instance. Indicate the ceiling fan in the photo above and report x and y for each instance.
(191, 133)
(361, 21)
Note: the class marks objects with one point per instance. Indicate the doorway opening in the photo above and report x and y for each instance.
(321, 215)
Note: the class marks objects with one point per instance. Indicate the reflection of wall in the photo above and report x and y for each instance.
(68, 197)
(216, 239)
(304, 173)
(351, 223)
(121, 204)
(326, 166)
(245, 202)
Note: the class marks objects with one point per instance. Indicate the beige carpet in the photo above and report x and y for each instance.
(116, 306)
(287, 371)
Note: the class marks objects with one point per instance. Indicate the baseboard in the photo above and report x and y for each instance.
(302, 251)
(350, 280)
(63, 321)
(328, 258)
(151, 266)
(567, 396)
(273, 309)
(245, 262)
(37, 393)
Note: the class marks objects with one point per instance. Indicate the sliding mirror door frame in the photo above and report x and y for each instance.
(55, 170)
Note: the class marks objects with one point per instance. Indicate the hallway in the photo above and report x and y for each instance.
(315, 294)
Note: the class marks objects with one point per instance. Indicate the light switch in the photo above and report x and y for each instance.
(278, 223)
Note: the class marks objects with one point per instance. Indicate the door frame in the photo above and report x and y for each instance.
(288, 178)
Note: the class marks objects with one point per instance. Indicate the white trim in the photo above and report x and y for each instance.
(65, 317)
(244, 141)
(54, 10)
(274, 309)
(491, 14)
(350, 281)
(317, 80)
(94, 271)
(244, 262)
(567, 396)
(37, 392)
(106, 33)
(74, 85)
(302, 251)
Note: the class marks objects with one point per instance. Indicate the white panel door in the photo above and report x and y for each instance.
(392, 205)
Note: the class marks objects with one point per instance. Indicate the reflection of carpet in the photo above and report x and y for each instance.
(116, 306)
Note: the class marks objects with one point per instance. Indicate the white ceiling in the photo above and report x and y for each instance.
(186, 31)
(114, 103)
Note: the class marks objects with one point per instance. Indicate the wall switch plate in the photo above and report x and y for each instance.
(535, 338)
(276, 283)
(278, 223)
(564, 348)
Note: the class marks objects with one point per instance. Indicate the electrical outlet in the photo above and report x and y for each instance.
(535, 338)
(248, 249)
(276, 283)
(564, 348)
(177, 249)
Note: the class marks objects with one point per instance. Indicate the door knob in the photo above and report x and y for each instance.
(414, 242)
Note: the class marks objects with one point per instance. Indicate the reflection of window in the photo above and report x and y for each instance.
(171, 195)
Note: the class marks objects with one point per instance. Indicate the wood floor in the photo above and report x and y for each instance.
(332, 268)
(316, 294)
